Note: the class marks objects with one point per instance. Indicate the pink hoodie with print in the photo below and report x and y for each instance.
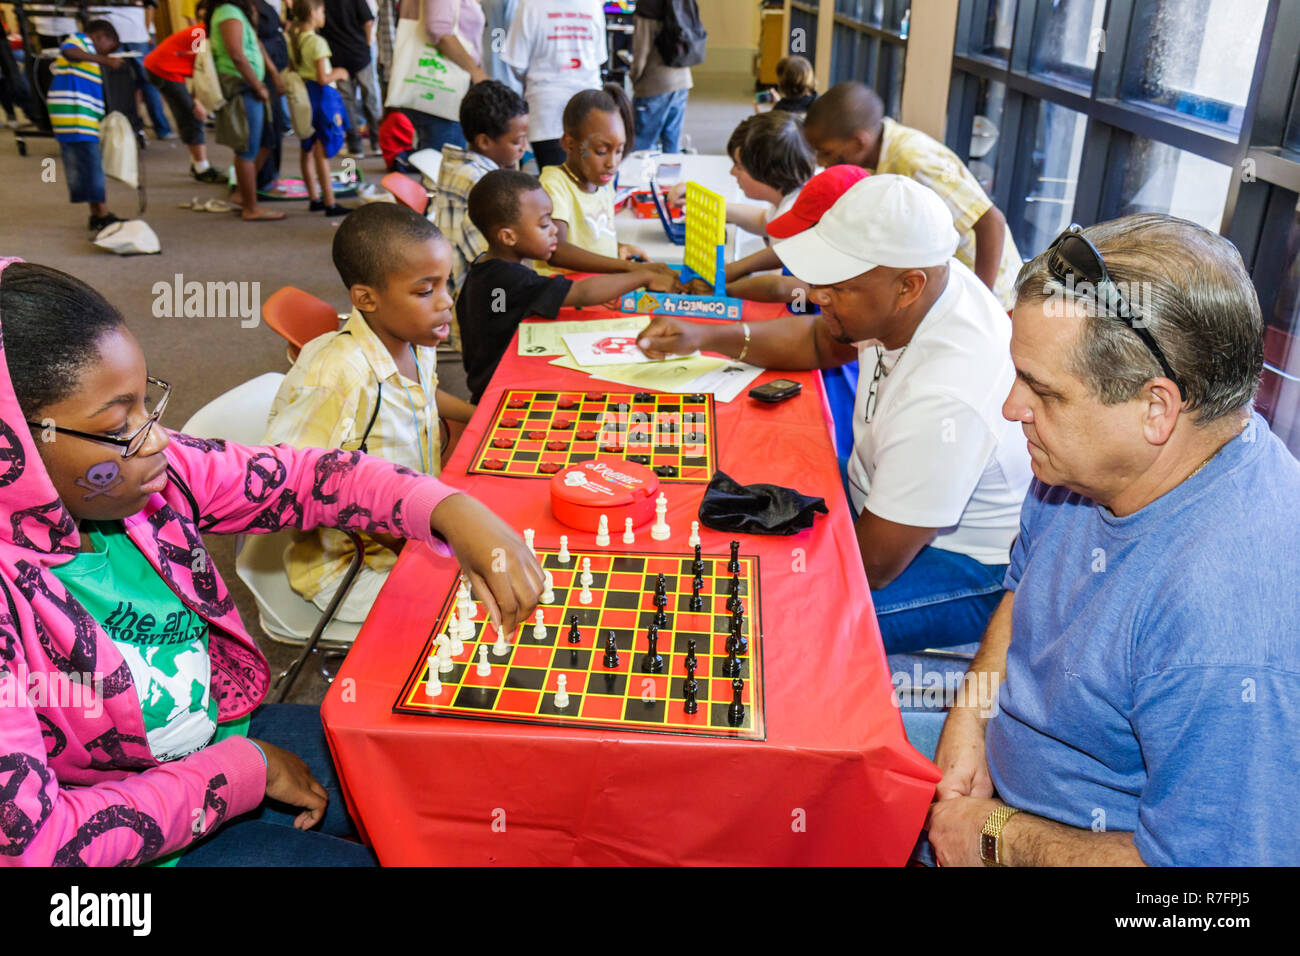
(78, 784)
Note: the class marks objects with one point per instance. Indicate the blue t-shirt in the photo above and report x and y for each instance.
(1153, 677)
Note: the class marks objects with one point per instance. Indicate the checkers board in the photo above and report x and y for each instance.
(535, 434)
(522, 685)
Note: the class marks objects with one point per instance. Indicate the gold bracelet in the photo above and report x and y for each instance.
(745, 350)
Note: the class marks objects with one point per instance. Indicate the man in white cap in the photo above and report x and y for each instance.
(937, 475)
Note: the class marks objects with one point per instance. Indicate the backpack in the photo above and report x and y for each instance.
(681, 41)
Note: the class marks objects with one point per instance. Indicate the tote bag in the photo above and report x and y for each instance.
(295, 90)
(204, 84)
(422, 78)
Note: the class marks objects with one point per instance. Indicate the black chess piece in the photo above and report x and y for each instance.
(736, 710)
(661, 617)
(734, 564)
(733, 602)
(737, 632)
(654, 661)
(697, 602)
(661, 592)
(731, 666)
(697, 566)
(574, 636)
(611, 649)
(692, 705)
(690, 656)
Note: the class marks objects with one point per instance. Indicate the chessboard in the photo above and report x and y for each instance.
(535, 434)
(622, 690)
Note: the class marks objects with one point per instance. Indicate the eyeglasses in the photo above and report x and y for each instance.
(1074, 261)
(133, 442)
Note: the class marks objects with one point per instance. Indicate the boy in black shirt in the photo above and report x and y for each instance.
(513, 212)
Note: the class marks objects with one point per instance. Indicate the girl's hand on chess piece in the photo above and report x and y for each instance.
(502, 570)
(289, 781)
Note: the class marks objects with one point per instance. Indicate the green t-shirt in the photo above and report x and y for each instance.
(252, 50)
(305, 51)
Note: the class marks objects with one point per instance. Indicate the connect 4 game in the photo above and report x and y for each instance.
(625, 651)
(535, 434)
(706, 237)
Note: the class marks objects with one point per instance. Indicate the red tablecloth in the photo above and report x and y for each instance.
(835, 782)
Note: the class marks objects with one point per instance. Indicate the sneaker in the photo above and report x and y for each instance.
(337, 210)
(209, 175)
(316, 205)
(374, 148)
(100, 222)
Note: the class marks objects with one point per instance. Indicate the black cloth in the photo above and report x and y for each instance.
(496, 297)
(271, 33)
(795, 104)
(345, 31)
(756, 509)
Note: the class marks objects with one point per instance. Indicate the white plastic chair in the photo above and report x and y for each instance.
(429, 163)
(240, 416)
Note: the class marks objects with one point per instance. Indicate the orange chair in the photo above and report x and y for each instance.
(299, 317)
(407, 191)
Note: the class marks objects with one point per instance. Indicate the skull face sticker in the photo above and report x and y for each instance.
(100, 480)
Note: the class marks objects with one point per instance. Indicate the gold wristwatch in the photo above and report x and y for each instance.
(991, 835)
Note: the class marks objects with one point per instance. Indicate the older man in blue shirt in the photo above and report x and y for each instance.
(1149, 650)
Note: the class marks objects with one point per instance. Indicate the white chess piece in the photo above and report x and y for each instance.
(695, 535)
(548, 587)
(561, 691)
(659, 531)
(433, 686)
(502, 646)
(563, 556)
(585, 596)
(602, 532)
(585, 579)
(445, 664)
(539, 628)
(628, 536)
(528, 540)
(484, 669)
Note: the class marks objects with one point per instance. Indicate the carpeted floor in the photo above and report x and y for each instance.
(204, 357)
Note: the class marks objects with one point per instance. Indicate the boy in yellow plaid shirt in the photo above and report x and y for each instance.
(847, 124)
(373, 385)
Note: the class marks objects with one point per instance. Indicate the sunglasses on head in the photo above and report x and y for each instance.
(1074, 261)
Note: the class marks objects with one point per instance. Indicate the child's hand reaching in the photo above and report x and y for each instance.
(629, 251)
(677, 195)
(659, 282)
(699, 286)
(504, 573)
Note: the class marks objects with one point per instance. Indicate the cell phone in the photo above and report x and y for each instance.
(776, 391)
(765, 97)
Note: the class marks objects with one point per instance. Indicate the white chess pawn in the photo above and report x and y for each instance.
(563, 556)
(484, 669)
(539, 628)
(602, 532)
(445, 664)
(695, 535)
(454, 634)
(433, 686)
(548, 587)
(585, 596)
(585, 579)
(659, 531)
(561, 691)
(628, 536)
(528, 539)
(502, 646)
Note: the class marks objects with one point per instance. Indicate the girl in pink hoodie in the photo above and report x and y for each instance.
(126, 676)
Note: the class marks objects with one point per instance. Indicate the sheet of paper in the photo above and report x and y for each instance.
(724, 378)
(547, 338)
(597, 349)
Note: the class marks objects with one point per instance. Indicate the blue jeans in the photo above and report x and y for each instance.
(659, 120)
(941, 599)
(266, 836)
(433, 132)
(152, 98)
(84, 170)
(256, 111)
(923, 729)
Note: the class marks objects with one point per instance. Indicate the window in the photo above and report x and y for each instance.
(1161, 178)
(1067, 38)
(1044, 204)
(868, 43)
(803, 16)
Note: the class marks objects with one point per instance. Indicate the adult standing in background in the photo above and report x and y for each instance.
(270, 31)
(659, 91)
(455, 27)
(385, 34)
(556, 47)
(498, 15)
(348, 26)
(132, 25)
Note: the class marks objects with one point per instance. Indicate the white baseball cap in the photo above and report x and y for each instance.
(884, 220)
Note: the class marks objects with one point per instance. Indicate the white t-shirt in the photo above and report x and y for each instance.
(129, 22)
(937, 452)
(558, 46)
(783, 207)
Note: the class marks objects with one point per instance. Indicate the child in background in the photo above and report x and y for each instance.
(513, 211)
(796, 84)
(373, 385)
(76, 105)
(309, 56)
(494, 119)
(582, 187)
(167, 66)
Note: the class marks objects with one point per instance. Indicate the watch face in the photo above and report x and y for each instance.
(988, 848)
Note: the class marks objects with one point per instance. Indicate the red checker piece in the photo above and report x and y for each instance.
(502, 442)
(586, 434)
(595, 396)
(535, 435)
(567, 403)
(562, 423)
(494, 464)
(557, 445)
(550, 467)
(612, 448)
(511, 422)
(517, 403)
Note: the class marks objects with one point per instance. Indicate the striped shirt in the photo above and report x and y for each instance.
(326, 401)
(76, 98)
(461, 169)
(909, 152)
